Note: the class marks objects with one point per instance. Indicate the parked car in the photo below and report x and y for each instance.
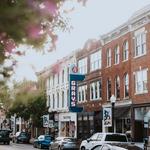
(43, 141)
(116, 146)
(107, 147)
(101, 138)
(64, 143)
(21, 137)
(4, 136)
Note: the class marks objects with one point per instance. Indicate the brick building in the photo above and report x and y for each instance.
(116, 64)
(89, 61)
(123, 71)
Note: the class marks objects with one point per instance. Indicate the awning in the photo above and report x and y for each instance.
(122, 112)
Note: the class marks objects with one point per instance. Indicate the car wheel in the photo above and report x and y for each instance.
(40, 146)
(59, 148)
(82, 148)
(34, 145)
(50, 147)
(8, 142)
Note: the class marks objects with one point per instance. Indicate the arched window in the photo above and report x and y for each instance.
(57, 99)
(126, 85)
(63, 76)
(117, 54)
(108, 89)
(63, 98)
(125, 50)
(117, 87)
(108, 57)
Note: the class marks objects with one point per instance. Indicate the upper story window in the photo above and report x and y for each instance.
(141, 81)
(57, 99)
(108, 57)
(63, 99)
(96, 61)
(68, 97)
(63, 76)
(117, 54)
(82, 92)
(117, 87)
(82, 66)
(140, 42)
(68, 74)
(53, 104)
(96, 90)
(58, 78)
(48, 101)
(125, 50)
(108, 89)
(126, 85)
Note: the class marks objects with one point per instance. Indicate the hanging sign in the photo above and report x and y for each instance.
(73, 78)
(107, 117)
(46, 121)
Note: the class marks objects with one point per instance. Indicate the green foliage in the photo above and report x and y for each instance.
(29, 106)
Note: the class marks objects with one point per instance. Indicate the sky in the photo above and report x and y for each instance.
(89, 22)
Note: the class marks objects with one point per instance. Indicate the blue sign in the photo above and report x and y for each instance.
(74, 92)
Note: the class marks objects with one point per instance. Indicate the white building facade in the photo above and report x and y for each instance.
(57, 91)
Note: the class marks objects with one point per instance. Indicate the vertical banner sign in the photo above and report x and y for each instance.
(107, 117)
(46, 121)
(73, 92)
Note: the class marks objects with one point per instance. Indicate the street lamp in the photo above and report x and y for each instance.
(113, 100)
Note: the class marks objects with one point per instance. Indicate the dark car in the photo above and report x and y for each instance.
(21, 137)
(64, 143)
(4, 136)
(42, 141)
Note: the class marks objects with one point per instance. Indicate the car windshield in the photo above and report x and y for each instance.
(70, 139)
(4, 132)
(116, 137)
(47, 137)
(23, 134)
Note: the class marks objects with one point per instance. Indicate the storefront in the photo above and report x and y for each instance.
(89, 123)
(67, 124)
(139, 113)
(122, 120)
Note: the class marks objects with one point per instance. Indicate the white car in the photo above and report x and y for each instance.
(101, 138)
(107, 147)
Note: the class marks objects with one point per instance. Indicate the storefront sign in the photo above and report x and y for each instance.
(107, 117)
(51, 123)
(73, 92)
(46, 121)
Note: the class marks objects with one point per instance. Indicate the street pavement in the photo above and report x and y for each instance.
(14, 146)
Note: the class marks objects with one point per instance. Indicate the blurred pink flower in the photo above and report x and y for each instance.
(33, 31)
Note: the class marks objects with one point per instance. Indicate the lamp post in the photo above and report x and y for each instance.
(113, 100)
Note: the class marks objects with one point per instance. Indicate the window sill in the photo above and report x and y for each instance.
(139, 56)
(143, 92)
(80, 102)
(125, 60)
(108, 66)
(126, 98)
(96, 99)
